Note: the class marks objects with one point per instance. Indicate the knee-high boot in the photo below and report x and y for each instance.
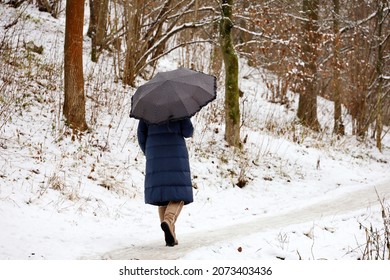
(168, 224)
(161, 212)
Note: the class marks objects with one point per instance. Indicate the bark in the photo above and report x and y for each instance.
(338, 121)
(232, 108)
(92, 19)
(74, 102)
(216, 61)
(379, 72)
(307, 107)
(133, 19)
(98, 26)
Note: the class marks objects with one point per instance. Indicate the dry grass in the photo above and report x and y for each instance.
(377, 246)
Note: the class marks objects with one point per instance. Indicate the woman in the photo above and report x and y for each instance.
(168, 177)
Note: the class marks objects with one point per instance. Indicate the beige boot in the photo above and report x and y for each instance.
(161, 212)
(168, 224)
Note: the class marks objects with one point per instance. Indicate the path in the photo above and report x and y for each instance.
(359, 199)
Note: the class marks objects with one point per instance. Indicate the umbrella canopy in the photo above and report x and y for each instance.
(173, 95)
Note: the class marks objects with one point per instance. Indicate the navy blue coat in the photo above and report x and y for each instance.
(168, 176)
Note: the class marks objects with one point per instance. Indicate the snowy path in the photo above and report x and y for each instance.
(358, 199)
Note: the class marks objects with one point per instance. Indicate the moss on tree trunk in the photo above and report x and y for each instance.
(232, 108)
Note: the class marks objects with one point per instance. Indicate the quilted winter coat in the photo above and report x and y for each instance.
(168, 176)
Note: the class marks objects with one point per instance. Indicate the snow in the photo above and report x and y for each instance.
(70, 199)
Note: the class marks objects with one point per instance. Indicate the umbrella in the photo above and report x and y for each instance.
(173, 95)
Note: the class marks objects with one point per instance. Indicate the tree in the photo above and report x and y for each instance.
(133, 34)
(307, 107)
(150, 24)
(74, 102)
(368, 57)
(232, 106)
(338, 127)
(97, 26)
(379, 73)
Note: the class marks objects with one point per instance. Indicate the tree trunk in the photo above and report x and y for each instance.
(338, 121)
(92, 19)
(97, 26)
(232, 108)
(307, 107)
(101, 29)
(215, 65)
(133, 14)
(379, 73)
(74, 103)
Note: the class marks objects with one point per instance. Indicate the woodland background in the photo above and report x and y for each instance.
(335, 49)
(307, 106)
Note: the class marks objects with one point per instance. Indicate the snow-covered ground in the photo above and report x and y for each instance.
(68, 199)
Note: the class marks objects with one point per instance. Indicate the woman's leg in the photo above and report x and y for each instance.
(161, 212)
(172, 211)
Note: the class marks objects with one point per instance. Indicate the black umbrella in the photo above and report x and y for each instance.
(173, 95)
